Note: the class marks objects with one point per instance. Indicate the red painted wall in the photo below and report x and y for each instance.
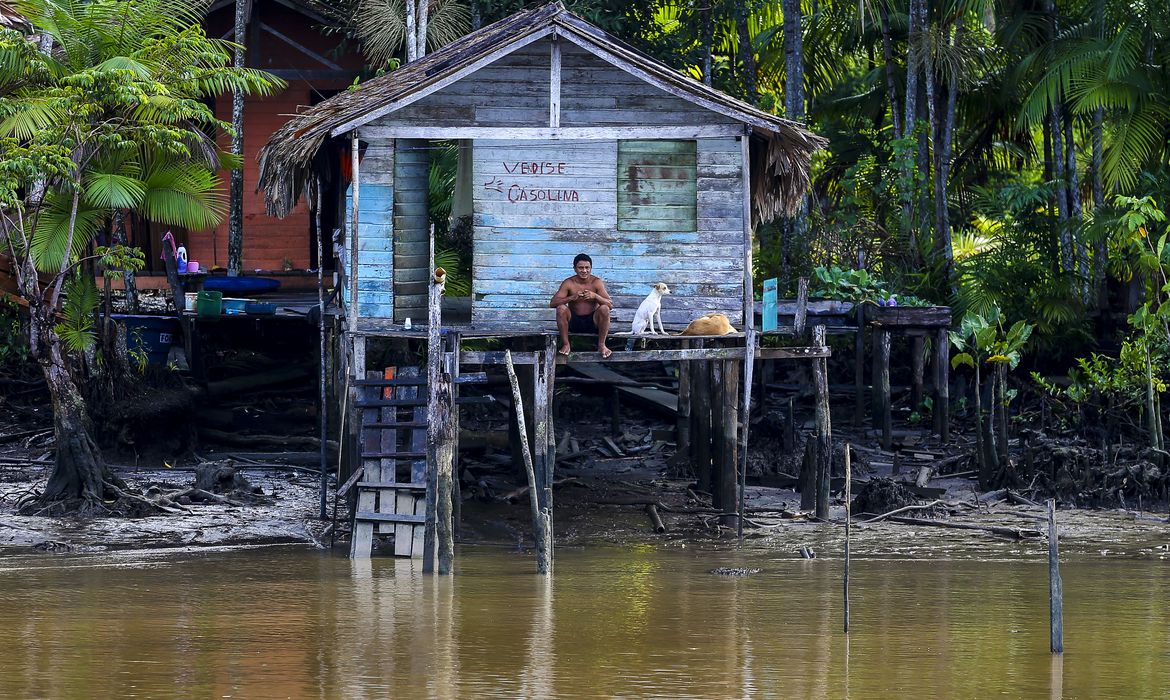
(269, 241)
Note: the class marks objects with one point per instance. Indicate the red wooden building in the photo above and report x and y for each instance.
(286, 39)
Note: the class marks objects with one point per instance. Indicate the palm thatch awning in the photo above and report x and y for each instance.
(780, 168)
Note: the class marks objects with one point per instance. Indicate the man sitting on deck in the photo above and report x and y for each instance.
(582, 305)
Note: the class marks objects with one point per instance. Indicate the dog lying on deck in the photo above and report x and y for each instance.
(650, 308)
(709, 324)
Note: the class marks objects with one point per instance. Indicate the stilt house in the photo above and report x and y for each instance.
(569, 141)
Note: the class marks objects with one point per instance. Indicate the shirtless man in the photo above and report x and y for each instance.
(583, 305)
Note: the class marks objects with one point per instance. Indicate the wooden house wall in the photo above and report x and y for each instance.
(529, 224)
(376, 192)
(514, 91)
(524, 248)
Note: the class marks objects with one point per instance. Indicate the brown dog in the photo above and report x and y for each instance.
(709, 324)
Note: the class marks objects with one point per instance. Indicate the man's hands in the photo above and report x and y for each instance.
(586, 295)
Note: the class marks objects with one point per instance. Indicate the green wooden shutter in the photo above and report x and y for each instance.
(656, 185)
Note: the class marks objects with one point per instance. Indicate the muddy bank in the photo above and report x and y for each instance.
(287, 515)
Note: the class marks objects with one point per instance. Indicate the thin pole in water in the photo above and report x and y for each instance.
(848, 518)
(1055, 588)
(324, 418)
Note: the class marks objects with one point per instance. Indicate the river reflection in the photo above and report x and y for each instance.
(612, 622)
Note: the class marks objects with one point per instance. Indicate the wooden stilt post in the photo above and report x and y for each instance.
(729, 462)
(1055, 587)
(549, 368)
(882, 420)
(456, 494)
(683, 426)
(701, 435)
(323, 412)
(745, 415)
(824, 438)
(539, 524)
(859, 368)
(917, 343)
(438, 533)
(942, 379)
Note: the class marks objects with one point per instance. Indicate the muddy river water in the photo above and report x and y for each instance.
(635, 621)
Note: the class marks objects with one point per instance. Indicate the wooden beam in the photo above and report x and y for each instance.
(824, 432)
(434, 87)
(572, 133)
(554, 85)
(745, 415)
(299, 47)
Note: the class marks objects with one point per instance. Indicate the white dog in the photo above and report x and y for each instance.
(650, 308)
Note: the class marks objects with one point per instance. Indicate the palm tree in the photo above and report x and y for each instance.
(114, 115)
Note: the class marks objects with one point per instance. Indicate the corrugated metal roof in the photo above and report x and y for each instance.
(286, 161)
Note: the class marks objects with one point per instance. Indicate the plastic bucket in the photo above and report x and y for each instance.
(153, 335)
(209, 303)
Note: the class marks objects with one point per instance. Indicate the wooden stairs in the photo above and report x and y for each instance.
(391, 491)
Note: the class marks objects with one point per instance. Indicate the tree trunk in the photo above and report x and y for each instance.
(1100, 254)
(794, 106)
(913, 66)
(888, 56)
(1058, 173)
(80, 478)
(423, 13)
(235, 253)
(128, 283)
(708, 22)
(747, 56)
(1074, 207)
(943, 150)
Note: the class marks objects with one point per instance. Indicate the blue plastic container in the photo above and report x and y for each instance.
(240, 286)
(153, 334)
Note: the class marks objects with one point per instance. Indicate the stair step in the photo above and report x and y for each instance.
(372, 517)
(401, 424)
(401, 485)
(394, 455)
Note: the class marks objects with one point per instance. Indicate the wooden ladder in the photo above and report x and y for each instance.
(391, 492)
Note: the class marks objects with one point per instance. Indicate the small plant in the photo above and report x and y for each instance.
(859, 287)
(286, 264)
(984, 341)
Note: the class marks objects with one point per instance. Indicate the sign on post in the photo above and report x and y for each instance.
(771, 314)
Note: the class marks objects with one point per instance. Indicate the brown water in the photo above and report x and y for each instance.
(613, 622)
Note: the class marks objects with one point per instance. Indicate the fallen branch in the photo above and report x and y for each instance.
(904, 509)
(993, 529)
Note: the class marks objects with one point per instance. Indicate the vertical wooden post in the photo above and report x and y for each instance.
(859, 368)
(917, 342)
(440, 440)
(824, 437)
(882, 419)
(808, 476)
(683, 425)
(701, 435)
(745, 421)
(549, 367)
(942, 390)
(801, 315)
(729, 462)
(1055, 587)
(848, 522)
(353, 234)
(456, 495)
(323, 413)
(539, 524)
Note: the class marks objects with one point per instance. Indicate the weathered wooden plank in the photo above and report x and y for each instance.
(601, 261)
(610, 273)
(693, 248)
(638, 290)
(595, 236)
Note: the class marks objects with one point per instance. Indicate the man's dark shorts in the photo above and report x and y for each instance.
(582, 324)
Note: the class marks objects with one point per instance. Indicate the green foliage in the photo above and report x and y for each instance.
(13, 337)
(76, 328)
(859, 287)
(984, 339)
